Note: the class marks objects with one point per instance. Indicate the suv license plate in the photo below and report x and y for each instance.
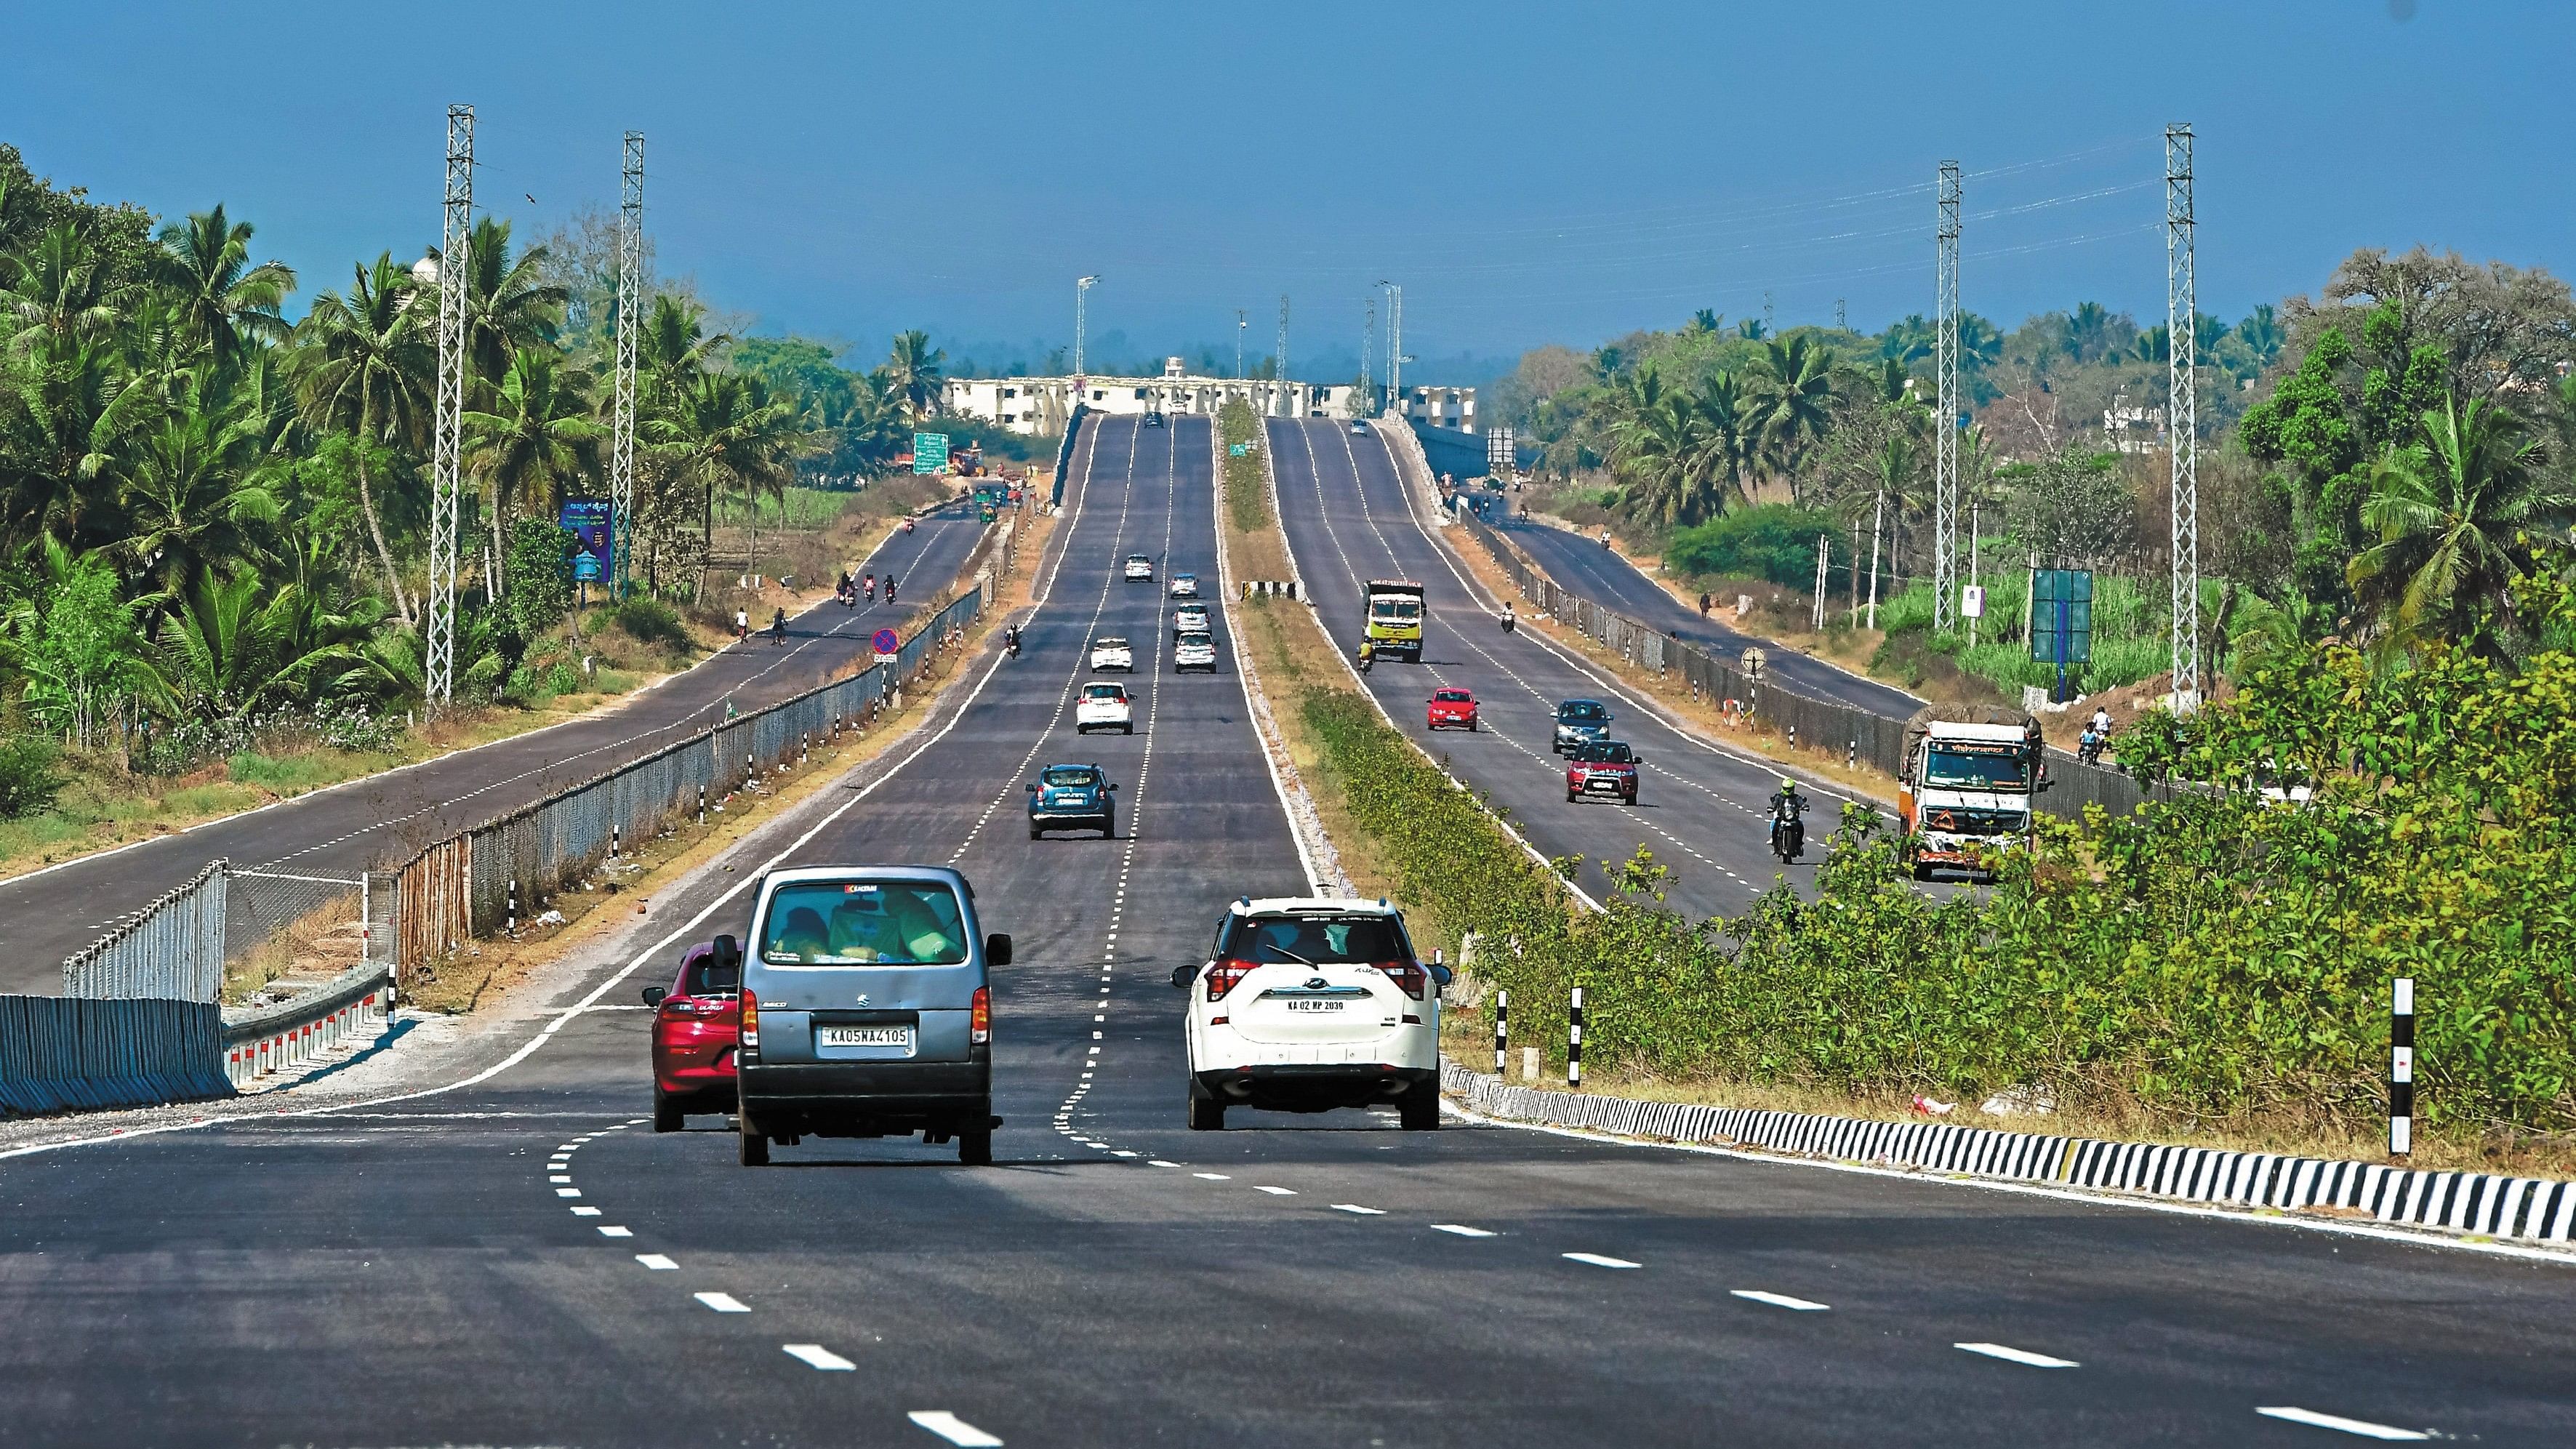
(864, 1036)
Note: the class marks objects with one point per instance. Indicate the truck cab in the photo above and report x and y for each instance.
(1395, 618)
(1970, 783)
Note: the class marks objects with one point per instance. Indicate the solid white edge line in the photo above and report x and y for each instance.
(2380, 1231)
(2024, 1356)
(953, 1429)
(815, 1355)
(1780, 1300)
(2362, 1427)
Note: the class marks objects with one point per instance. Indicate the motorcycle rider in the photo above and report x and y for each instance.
(869, 587)
(1011, 639)
(1368, 654)
(1787, 805)
(1510, 619)
(2097, 733)
(889, 588)
(778, 627)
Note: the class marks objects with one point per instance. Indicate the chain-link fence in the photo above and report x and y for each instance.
(1837, 730)
(285, 932)
(171, 950)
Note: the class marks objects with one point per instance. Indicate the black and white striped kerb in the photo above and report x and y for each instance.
(1574, 1043)
(2523, 1209)
(2401, 1068)
(1284, 588)
(1502, 1027)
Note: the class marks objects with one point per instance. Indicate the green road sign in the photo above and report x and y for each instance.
(929, 452)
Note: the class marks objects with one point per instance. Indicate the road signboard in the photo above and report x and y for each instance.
(887, 643)
(588, 520)
(1972, 602)
(929, 452)
(2061, 622)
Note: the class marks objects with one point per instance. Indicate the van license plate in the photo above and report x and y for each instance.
(864, 1036)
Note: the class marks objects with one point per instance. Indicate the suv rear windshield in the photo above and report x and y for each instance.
(1609, 752)
(1103, 691)
(1199, 640)
(857, 923)
(1068, 775)
(1107, 643)
(1580, 710)
(1314, 940)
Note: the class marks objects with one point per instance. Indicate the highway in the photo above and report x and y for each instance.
(1702, 812)
(48, 914)
(1585, 567)
(416, 1269)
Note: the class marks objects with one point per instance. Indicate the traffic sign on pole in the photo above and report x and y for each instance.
(929, 452)
(887, 644)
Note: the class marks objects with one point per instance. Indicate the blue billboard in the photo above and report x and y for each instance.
(588, 521)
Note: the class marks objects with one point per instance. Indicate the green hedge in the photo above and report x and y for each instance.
(1771, 541)
(1247, 493)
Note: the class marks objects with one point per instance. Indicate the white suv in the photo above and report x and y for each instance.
(1312, 1003)
(1140, 567)
(1103, 706)
(1108, 653)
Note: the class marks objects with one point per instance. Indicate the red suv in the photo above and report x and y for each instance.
(1453, 709)
(1603, 769)
(697, 1023)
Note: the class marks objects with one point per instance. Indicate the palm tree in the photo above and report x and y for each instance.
(366, 367)
(2261, 334)
(222, 299)
(2448, 511)
(914, 370)
(538, 434)
(60, 290)
(233, 646)
(78, 409)
(1793, 403)
(508, 302)
(727, 430)
(195, 495)
(2087, 333)
(674, 346)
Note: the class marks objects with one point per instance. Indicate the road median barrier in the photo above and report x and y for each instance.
(2526, 1210)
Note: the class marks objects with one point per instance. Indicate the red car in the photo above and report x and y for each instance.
(1603, 769)
(697, 1023)
(1453, 709)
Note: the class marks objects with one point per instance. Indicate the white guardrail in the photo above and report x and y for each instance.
(265, 1039)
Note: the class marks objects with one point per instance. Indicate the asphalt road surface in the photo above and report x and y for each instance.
(49, 914)
(519, 1260)
(1703, 813)
(1582, 565)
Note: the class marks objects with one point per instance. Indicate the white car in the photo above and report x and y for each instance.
(1313, 1003)
(1104, 706)
(1140, 566)
(1109, 653)
(1185, 586)
(1190, 619)
(1194, 651)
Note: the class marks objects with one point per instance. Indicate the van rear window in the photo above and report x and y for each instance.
(863, 923)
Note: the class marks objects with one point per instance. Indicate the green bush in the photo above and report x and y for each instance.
(1247, 494)
(648, 620)
(1771, 541)
(30, 776)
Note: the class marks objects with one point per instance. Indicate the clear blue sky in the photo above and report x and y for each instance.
(1531, 173)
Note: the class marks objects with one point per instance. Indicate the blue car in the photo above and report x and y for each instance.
(1072, 797)
(1581, 722)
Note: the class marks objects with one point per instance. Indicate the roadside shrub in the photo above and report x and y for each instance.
(1771, 541)
(648, 620)
(30, 776)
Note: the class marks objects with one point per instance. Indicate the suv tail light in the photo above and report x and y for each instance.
(979, 1023)
(1406, 975)
(750, 1019)
(1223, 976)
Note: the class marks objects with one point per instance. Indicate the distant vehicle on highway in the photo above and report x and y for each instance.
(697, 1023)
(1104, 706)
(1185, 586)
(1195, 650)
(1072, 797)
(1603, 770)
(1452, 709)
(1140, 567)
(1580, 722)
(1153, 420)
(1359, 426)
(1312, 1003)
(1970, 781)
(1190, 619)
(1394, 622)
(1110, 652)
(867, 1010)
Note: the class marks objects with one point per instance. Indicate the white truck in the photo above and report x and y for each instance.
(1969, 786)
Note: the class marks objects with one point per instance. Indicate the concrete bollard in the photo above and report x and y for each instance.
(1529, 1065)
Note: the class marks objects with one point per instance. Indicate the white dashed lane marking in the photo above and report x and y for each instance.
(1356, 1209)
(611, 1232)
(1461, 1229)
(1779, 1300)
(657, 1262)
(2362, 1427)
(953, 1429)
(1276, 1191)
(2016, 1355)
(815, 1355)
(722, 1302)
(1598, 1261)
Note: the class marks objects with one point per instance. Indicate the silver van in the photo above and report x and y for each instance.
(867, 1009)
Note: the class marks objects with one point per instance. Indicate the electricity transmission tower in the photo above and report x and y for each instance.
(448, 422)
(1945, 481)
(1279, 374)
(2182, 413)
(630, 293)
(1081, 302)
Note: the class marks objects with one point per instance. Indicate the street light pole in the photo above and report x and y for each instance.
(1081, 301)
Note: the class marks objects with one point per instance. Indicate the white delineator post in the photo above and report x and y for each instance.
(1574, 1043)
(1502, 1027)
(2401, 1068)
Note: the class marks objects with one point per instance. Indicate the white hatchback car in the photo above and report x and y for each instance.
(1312, 1003)
(1140, 566)
(1194, 651)
(1104, 706)
(1109, 652)
(1190, 619)
(1185, 586)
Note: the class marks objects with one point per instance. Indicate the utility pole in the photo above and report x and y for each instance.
(447, 422)
(2182, 414)
(1239, 325)
(1394, 345)
(1081, 301)
(1286, 405)
(1767, 327)
(1945, 482)
(630, 301)
(1368, 338)
(1839, 324)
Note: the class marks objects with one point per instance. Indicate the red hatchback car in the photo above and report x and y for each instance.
(697, 1023)
(1604, 769)
(1453, 709)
